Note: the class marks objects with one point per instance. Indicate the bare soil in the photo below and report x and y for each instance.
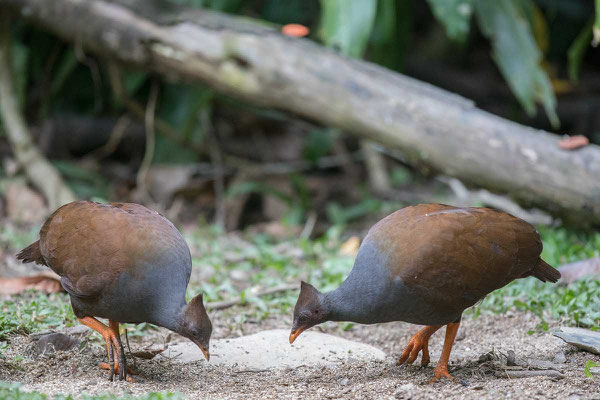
(479, 361)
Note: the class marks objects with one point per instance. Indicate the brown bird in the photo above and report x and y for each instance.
(123, 262)
(425, 265)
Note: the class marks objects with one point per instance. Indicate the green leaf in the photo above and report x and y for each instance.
(455, 15)
(596, 29)
(588, 366)
(347, 25)
(20, 58)
(392, 30)
(577, 51)
(517, 54)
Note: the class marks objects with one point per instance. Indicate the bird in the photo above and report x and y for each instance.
(426, 264)
(125, 263)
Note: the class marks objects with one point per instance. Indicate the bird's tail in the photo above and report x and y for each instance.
(32, 253)
(545, 272)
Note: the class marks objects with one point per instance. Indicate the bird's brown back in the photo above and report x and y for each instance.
(456, 254)
(97, 242)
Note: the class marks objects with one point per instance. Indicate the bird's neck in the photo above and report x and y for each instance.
(172, 319)
(342, 306)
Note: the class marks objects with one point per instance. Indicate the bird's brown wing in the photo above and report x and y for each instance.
(83, 242)
(456, 256)
(91, 244)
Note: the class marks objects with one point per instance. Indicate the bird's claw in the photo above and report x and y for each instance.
(411, 351)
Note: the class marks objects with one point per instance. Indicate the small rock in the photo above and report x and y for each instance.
(559, 358)
(271, 350)
(344, 381)
(461, 335)
(53, 342)
(511, 358)
(404, 391)
(541, 364)
(489, 356)
(239, 275)
(584, 339)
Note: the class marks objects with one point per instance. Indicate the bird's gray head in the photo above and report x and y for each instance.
(310, 310)
(196, 325)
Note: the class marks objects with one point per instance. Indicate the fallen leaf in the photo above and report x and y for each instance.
(43, 283)
(579, 270)
(295, 30)
(148, 354)
(350, 247)
(573, 142)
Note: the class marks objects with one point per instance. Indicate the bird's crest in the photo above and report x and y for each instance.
(308, 295)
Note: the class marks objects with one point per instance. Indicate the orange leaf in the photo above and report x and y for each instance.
(573, 142)
(41, 282)
(295, 30)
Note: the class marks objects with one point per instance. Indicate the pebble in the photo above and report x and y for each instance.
(53, 342)
(559, 358)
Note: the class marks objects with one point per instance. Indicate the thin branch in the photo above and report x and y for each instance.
(216, 158)
(39, 171)
(94, 71)
(137, 109)
(379, 180)
(532, 373)
(150, 138)
(500, 202)
(309, 225)
(113, 141)
(221, 305)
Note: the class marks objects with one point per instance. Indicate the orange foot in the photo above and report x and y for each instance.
(114, 347)
(130, 371)
(441, 370)
(419, 342)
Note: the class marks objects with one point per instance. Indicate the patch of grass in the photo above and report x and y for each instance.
(239, 266)
(17, 239)
(33, 312)
(577, 304)
(12, 391)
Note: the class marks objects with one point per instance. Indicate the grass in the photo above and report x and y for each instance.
(12, 391)
(577, 304)
(240, 265)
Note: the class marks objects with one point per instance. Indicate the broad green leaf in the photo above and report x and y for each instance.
(347, 25)
(455, 15)
(517, 54)
(391, 33)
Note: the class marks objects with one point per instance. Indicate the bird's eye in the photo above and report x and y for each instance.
(303, 318)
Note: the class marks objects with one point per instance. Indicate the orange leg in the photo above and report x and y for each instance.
(113, 345)
(441, 368)
(114, 327)
(419, 341)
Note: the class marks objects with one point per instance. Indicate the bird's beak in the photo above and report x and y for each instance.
(295, 333)
(204, 351)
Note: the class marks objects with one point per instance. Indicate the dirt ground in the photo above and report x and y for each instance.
(478, 359)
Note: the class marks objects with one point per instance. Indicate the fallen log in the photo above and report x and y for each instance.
(429, 126)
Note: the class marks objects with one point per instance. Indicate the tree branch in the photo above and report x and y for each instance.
(431, 127)
(39, 171)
